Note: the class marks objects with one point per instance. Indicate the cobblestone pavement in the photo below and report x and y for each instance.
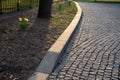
(94, 51)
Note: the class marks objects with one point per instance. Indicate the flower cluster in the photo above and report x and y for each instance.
(23, 23)
(23, 19)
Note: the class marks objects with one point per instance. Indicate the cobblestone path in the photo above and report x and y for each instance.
(94, 51)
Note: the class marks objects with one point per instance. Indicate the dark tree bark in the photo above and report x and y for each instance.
(45, 7)
(18, 5)
(0, 6)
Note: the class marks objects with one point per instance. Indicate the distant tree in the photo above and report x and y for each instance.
(45, 7)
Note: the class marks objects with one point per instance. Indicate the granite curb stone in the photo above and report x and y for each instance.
(48, 63)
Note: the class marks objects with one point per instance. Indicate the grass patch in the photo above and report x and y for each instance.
(12, 5)
(99, 1)
(114, 2)
(85, 0)
(61, 17)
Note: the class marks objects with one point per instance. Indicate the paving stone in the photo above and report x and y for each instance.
(98, 77)
(91, 77)
(75, 78)
(94, 51)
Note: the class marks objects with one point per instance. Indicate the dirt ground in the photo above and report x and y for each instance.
(21, 51)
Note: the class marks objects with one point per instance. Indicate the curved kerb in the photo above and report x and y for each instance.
(48, 63)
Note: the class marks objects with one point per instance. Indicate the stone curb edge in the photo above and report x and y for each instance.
(49, 61)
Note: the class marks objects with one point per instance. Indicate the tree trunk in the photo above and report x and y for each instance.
(0, 6)
(45, 7)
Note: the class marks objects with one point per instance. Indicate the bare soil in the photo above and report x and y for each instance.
(22, 51)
